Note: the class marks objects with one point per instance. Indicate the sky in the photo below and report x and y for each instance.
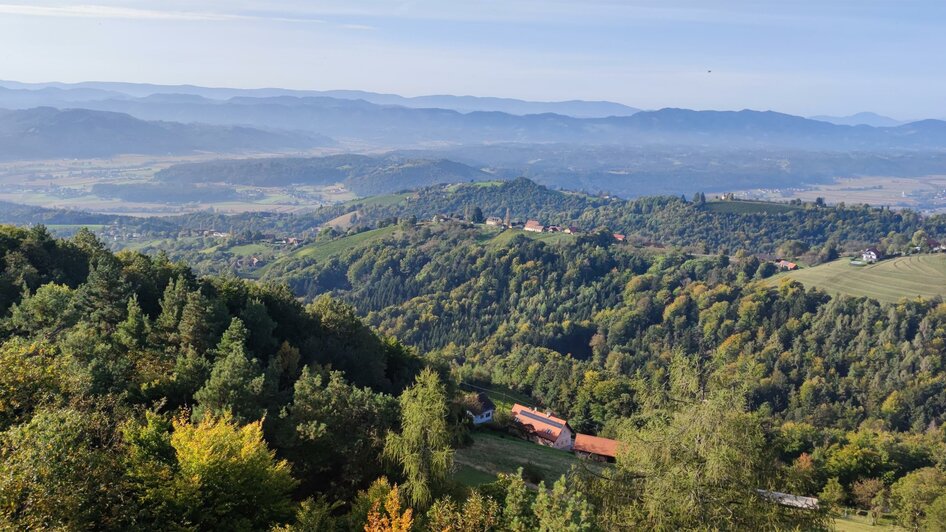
(804, 57)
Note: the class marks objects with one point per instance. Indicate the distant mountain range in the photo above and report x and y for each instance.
(861, 119)
(46, 93)
(46, 132)
(266, 118)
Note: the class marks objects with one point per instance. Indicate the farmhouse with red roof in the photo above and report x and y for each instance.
(595, 448)
(544, 428)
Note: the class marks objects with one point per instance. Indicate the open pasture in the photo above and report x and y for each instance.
(887, 281)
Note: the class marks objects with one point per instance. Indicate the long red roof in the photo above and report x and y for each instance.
(596, 445)
(544, 425)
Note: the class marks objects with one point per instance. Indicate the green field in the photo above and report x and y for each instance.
(748, 207)
(491, 454)
(857, 523)
(379, 201)
(505, 237)
(887, 281)
(321, 251)
(478, 184)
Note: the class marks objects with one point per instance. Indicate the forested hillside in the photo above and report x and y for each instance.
(328, 394)
(362, 174)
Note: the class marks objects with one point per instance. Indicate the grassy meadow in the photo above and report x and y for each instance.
(493, 453)
(887, 281)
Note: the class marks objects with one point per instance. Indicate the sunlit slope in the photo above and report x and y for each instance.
(888, 280)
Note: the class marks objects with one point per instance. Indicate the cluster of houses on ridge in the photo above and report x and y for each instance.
(533, 226)
(545, 429)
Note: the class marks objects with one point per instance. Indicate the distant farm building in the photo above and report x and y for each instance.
(481, 409)
(492, 220)
(595, 448)
(544, 428)
(871, 255)
(572, 230)
(619, 237)
(786, 265)
(554, 229)
(534, 226)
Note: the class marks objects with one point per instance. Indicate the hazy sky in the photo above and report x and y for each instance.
(798, 56)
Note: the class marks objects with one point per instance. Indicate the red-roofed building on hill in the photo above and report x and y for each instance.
(534, 226)
(544, 428)
(595, 448)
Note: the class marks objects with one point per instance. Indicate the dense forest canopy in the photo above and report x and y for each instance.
(329, 393)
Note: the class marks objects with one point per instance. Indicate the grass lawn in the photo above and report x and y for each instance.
(477, 184)
(248, 249)
(887, 281)
(469, 476)
(857, 523)
(505, 237)
(492, 453)
(748, 207)
(380, 201)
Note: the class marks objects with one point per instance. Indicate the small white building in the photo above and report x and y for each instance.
(481, 410)
(871, 255)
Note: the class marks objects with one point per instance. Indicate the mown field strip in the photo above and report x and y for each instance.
(888, 280)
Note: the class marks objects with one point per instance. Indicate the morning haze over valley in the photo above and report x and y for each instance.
(482, 266)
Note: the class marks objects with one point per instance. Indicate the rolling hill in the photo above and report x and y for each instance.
(887, 281)
(362, 174)
(46, 132)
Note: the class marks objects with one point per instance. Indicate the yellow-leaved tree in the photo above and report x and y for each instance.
(391, 519)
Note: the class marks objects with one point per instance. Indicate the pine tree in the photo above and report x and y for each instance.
(476, 216)
(260, 327)
(172, 305)
(562, 510)
(133, 332)
(517, 513)
(194, 327)
(104, 296)
(236, 383)
(507, 221)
